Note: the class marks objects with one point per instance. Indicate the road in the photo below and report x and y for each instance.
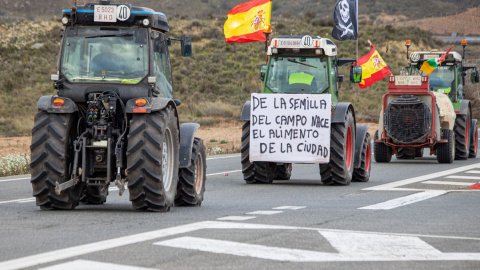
(413, 214)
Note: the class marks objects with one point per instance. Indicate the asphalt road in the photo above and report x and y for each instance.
(414, 214)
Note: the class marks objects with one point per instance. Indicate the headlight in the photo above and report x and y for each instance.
(65, 20)
(146, 22)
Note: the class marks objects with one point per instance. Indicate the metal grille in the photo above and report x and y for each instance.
(408, 120)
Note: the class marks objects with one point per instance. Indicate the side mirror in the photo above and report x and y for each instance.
(263, 70)
(474, 78)
(355, 74)
(186, 47)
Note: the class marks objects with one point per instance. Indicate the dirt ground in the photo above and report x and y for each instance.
(223, 138)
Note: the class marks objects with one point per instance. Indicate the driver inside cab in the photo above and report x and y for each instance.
(107, 60)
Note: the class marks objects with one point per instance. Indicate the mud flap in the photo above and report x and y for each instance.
(187, 134)
(246, 112)
(359, 140)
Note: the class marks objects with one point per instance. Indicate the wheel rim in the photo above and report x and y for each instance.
(367, 158)
(199, 174)
(466, 134)
(167, 160)
(349, 150)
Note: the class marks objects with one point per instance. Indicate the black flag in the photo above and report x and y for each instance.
(345, 17)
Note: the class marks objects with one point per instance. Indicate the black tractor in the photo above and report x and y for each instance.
(114, 118)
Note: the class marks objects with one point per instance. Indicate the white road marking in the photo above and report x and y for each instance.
(463, 177)
(448, 183)
(19, 200)
(95, 247)
(91, 265)
(402, 201)
(14, 179)
(223, 172)
(289, 207)
(264, 212)
(395, 185)
(473, 172)
(221, 157)
(27, 201)
(235, 218)
(350, 246)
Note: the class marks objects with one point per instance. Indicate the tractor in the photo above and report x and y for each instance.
(316, 57)
(114, 118)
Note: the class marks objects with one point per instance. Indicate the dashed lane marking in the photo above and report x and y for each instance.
(448, 183)
(91, 265)
(236, 218)
(417, 197)
(463, 177)
(289, 208)
(264, 212)
(473, 172)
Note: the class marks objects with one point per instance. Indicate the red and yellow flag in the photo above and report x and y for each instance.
(246, 21)
(373, 68)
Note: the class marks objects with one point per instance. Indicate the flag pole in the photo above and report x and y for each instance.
(357, 31)
(267, 29)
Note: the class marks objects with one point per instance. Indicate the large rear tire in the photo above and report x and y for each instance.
(362, 173)
(462, 142)
(52, 158)
(283, 171)
(342, 147)
(381, 152)
(191, 180)
(254, 172)
(446, 151)
(473, 141)
(152, 160)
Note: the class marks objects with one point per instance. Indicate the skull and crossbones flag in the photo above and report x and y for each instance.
(345, 17)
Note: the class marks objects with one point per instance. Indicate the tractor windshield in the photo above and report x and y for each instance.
(298, 75)
(442, 78)
(105, 55)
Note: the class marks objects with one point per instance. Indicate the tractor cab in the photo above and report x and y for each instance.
(116, 47)
(302, 65)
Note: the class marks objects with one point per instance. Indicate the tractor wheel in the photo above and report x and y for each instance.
(473, 141)
(254, 172)
(152, 160)
(284, 171)
(362, 173)
(405, 153)
(342, 147)
(446, 151)
(95, 194)
(381, 152)
(418, 152)
(52, 158)
(461, 129)
(191, 180)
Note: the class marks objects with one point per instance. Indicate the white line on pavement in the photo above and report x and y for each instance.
(472, 172)
(289, 207)
(14, 179)
(223, 172)
(236, 218)
(222, 157)
(19, 200)
(264, 212)
(402, 201)
(448, 183)
(91, 265)
(463, 177)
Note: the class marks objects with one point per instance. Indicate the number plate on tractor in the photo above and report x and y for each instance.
(105, 13)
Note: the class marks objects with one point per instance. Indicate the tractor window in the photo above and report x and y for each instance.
(298, 75)
(163, 70)
(442, 79)
(105, 55)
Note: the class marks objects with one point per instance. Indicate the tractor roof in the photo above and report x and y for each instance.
(105, 13)
(422, 56)
(302, 42)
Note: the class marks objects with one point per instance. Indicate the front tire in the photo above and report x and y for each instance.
(191, 180)
(257, 172)
(52, 157)
(362, 173)
(342, 146)
(152, 160)
(381, 152)
(446, 151)
(461, 129)
(474, 140)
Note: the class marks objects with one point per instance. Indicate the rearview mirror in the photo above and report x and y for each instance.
(186, 47)
(263, 70)
(474, 76)
(355, 74)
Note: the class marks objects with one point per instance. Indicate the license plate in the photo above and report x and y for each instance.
(105, 13)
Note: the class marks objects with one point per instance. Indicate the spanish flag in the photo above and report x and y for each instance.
(373, 68)
(246, 21)
(429, 65)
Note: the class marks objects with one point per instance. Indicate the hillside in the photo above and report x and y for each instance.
(409, 9)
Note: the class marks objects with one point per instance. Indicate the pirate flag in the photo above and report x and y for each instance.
(345, 17)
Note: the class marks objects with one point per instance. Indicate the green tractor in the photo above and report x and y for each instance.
(308, 65)
(114, 118)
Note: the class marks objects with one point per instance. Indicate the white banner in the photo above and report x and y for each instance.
(288, 128)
